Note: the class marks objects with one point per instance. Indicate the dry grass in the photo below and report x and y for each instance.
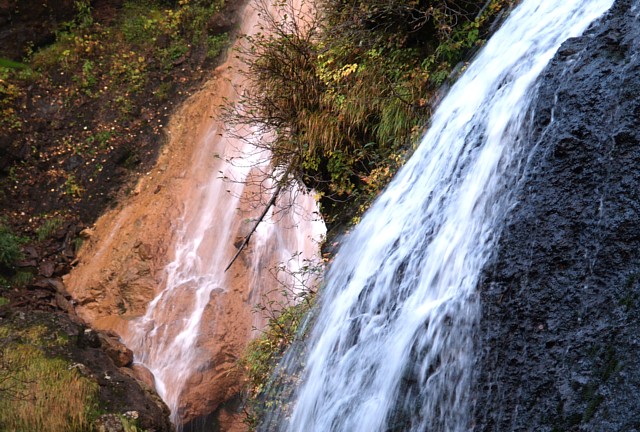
(39, 393)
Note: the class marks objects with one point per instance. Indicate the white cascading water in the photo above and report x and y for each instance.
(166, 339)
(392, 346)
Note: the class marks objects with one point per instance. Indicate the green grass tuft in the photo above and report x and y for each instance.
(49, 227)
(10, 246)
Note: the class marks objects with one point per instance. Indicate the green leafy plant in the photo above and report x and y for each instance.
(140, 22)
(10, 92)
(88, 79)
(10, 246)
(84, 17)
(71, 187)
(216, 45)
(284, 310)
(103, 138)
(129, 424)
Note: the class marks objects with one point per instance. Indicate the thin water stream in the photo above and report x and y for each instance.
(392, 348)
(153, 270)
(182, 332)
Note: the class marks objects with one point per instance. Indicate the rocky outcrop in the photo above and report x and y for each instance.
(559, 333)
(119, 392)
(128, 257)
(116, 350)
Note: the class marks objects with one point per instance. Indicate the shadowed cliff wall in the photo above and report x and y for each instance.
(560, 333)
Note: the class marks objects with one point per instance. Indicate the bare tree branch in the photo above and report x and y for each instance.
(279, 185)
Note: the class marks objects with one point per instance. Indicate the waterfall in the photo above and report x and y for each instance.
(167, 339)
(201, 319)
(392, 347)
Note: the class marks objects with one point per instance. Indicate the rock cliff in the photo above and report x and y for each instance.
(559, 331)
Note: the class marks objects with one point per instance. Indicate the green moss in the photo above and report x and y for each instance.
(10, 64)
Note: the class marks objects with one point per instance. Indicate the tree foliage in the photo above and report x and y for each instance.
(340, 88)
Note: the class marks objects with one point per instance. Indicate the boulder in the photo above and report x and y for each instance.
(116, 350)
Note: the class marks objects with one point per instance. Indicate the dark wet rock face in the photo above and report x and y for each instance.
(560, 332)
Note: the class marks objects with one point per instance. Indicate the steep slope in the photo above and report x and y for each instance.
(154, 269)
(60, 120)
(559, 329)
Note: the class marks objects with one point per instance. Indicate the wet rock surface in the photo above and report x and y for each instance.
(559, 335)
(116, 350)
(27, 25)
(126, 260)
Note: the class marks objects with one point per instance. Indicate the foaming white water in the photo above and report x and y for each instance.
(392, 347)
